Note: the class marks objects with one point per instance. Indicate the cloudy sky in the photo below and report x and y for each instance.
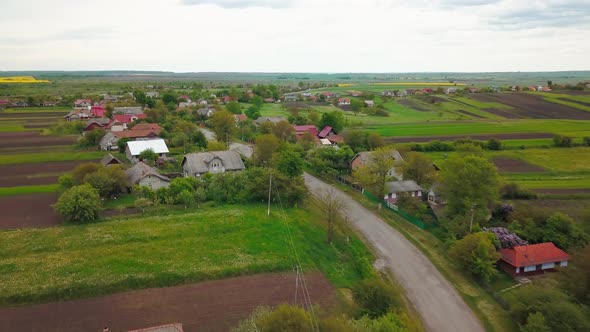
(295, 35)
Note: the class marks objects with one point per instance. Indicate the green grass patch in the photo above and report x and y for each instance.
(162, 250)
(123, 201)
(24, 190)
(38, 109)
(29, 158)
(555, 159)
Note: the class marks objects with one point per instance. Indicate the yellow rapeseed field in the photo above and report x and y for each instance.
(344, 85)
(420, 83)
(21, 79)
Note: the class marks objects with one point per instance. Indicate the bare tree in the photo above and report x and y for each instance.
(333, 206)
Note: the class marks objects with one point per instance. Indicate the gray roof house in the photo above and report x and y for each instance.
(214, 162)
(394, 189)
(109, 160)
(128, 110)
(273, 119)
(144, 175)
(363, 158)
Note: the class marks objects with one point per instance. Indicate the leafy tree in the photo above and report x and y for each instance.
(559, 228)
(333, 206)
(216, 146)
(266, 127)
(285, 318)
(140, 97)
(374, 141)
(284, 131)
(65, 182)
(419, 167)
(289, 163)
(307, 141)
(494, 144)
(356, 105)
(80, 172)
(223, 124)
(477, 254)
(109, 109)
(356, 139)
(185, 197)
(199, 139)
(148, 155)
(200, 196)
(576, 277)
(252, 113)
(266, 146)
(468, 182)
(535, 322)
(562, 141)
(375, 297)
(169, 98)
(330, 161)
(233, 107)
(142, 203)
(92, 138)
(257, 102)
(334, 119)
(79, 204)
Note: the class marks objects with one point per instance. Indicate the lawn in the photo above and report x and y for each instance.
(23, 190)
(555, 159)
(42, 157)
(37, 109)
(75, 261)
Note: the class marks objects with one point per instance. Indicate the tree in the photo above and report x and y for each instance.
(477, 254)
(109, 110)
(375, 297)
(562, 141)
(80, 172)
(334, 119)
(284, 131)
(223, 124)
(140, 97)
(356, 106)
(169, 98)
(535, 322)
(468, 182)
(289, 162)
(333, 206)
(266, 146)
(252, 113)
(216, 146)
(419, 167)
(374, 141)
(92, 138)
(285, 318)
(576, 277)
(494, 144)
(148, 155)
(257, 102)
(233, 107)
(376, 172)
(79, 204)
(199, 139)
(142, 203)
(356, 140)
(185, 197)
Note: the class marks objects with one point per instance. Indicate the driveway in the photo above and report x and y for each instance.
(434, 298)
(208, 133)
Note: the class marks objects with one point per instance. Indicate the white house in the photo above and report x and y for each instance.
(214, 162)
(369, 103)
(394, 189)
(135, 148)
(143, 175)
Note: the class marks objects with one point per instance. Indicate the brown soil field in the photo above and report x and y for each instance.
(4, 115)
(413, 105)
(23, 211)
(482, 137)
(206, 306)
(503, 113)
(572, 92)
(562, 191)
(7, 171)
(32, 138)
(510, 165)
(531, 106)
(27, 181)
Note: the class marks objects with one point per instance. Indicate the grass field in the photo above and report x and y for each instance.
(555, 159)
(87, 260)
(23, 190)
(37, 109)
(42, 157)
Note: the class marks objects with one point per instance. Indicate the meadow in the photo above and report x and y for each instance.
(165, 249)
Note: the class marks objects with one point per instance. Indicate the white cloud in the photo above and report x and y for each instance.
(295, 35)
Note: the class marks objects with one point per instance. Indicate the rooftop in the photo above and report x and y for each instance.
(158, 145)
(533, 254)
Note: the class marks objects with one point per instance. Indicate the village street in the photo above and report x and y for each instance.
(434, 298)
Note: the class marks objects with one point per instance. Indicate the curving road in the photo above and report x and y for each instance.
(434, 298)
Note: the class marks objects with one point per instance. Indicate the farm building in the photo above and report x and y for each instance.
(394, 190)
(532, 259)
(369, 103)
(110, 139)
(143, 175)
(300, 130)
(135, 148)
(215, 162)
(364, 158)
(109, 160)
(327, 131)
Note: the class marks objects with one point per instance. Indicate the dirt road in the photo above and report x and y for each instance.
(434, 298)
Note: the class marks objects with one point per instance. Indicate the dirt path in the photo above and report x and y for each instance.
(434, 298)
(206, 306)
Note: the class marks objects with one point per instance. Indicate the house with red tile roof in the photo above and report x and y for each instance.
(97, 111)
(154, 127)
(83, 103)
(300, 130)
(327, 131)
(532, 259)
(185, 98)
(343, 101)
(128, 118)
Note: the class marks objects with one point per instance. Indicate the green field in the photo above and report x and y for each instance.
(161, 250)
(555, 159)
(49, 157)
(37, 110)
(23, 190)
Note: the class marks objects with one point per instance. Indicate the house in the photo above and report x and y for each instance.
(300, 130)
(79, 114)
(153, 127)
(325, 142)
(329, 95)
(109, 160)
(369, 103)
(109, 98)
(532, 259)
(185, 104)
(135, 110)
(202, 102)
(144, 175)
(327, 131)
(389, 93)
(273, 119)
(269, 100)
(205, 112)
(532, 88)
(135, 148)
(343, 101)
(356, 93)
(185, 98)
(97, 111)
(473, 90)
(48, 103)
(83, 103)
(152, 94)
(394, 190)
(546, 89)
(214, 162)
(111, 139)
(364, 158)
(126, 119)
(434, 196)
(20, 104)
(227, 99)
(240, 117)
(291, 97)
(449, 91)
(336, 139)
(427, 91)
(96, 124)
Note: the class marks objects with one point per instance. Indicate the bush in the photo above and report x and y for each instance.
(586, 141)
(562, 141)
(79, 204)
(381, 112)
(494, 144)
(514, 191)
(375, 297)
(285, 318)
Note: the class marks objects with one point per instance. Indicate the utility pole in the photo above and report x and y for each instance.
(269, 189)
(471, 222)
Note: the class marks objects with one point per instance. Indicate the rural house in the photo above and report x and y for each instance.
(394, 190)
(273, 119)
(125, 119)
(109, 160)
(83, 103)
(326, 132)
(152, 94)
(185, 104)
(153, 127)
(79, 114)
(451, 91)
(214, 162)
(364, 158)
(291, 97)
(96, 124)
(144, 175)
(434, 196)
(97, 111)
(532, 259)
(205, 112)
(300, 130)
(343, 101)
(369, 103)
(135, 110)
(135, 148)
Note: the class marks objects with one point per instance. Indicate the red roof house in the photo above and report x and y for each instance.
(300, 130)
(97, 111)
(326, 132)
(185, 98)
(343, 101)
(532, 259)
(83, 103)
(128, 118)
(4, 102)
(148, 126)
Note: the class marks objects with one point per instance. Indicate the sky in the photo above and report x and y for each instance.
(325, 36)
